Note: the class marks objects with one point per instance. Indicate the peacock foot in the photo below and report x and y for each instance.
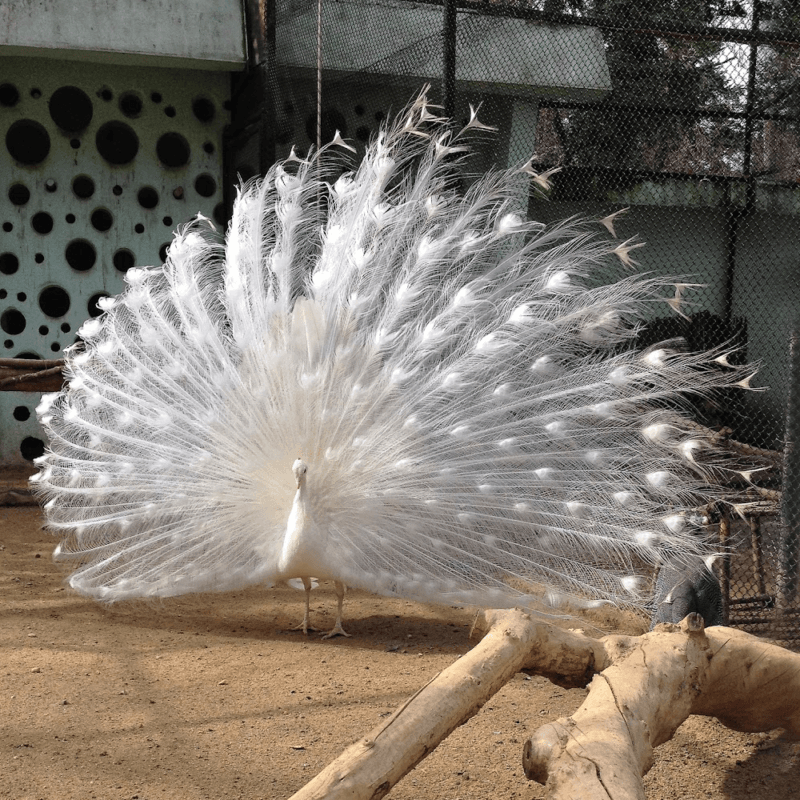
(305, 627)
(337, 630)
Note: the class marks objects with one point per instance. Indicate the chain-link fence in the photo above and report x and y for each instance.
(685, 112)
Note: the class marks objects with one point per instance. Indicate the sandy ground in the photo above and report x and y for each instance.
(210, 697)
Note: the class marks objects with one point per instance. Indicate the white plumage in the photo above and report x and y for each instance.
(379, 381)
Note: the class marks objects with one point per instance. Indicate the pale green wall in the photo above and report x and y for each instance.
(178, 89)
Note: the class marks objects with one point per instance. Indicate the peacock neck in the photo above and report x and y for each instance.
(303, 550)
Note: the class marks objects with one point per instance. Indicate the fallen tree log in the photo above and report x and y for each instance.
(641, 689)
(369, 768)
(637, 703)
(653, 684)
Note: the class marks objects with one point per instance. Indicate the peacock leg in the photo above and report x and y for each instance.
(304, 626)
(337, 629)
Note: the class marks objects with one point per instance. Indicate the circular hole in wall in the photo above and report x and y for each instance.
(80, 255)
(22, 297)
(117, 143)
(101, 219)
(39, 258)
(36, 93)
(65, 327)
(70, 218)
(71, 108)
(28, 142)
(123, 260)
(163, 251)
(42, 222)
(167, 221)
(12, 321)
(8, 344)
(172, 150)
(50, 185)
(44, 330)
(117, 190)
(147, 197)
(8, 227)
(170, 111)
(31, 447)
(130, 104)
(55, 347)
(19, 194)
(208, 147)
(74, 143)
(138, 227)
(9, 263)
(203, 109)
(106, 94)
(21, 413)
(9, 95)
(3, 294)
(92, 307)
(83, 186)
(156, 97)
(54, 301)
(205, 185)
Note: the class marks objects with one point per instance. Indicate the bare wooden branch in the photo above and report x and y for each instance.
(31, 375)
(773, 495)
(31, 364)
(722, 439)
(368, 769)
(751, 685)
(641, 689)
(46, 380)
(606, 746)
(637, 703)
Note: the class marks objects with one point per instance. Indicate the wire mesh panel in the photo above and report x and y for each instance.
(685, 114)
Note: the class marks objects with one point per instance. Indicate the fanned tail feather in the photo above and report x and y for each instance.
(477, 427)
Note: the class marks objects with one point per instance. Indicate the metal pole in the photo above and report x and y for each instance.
(790, 494)
(266, 149)
(319, 74)
(736, 216)
(449, 58)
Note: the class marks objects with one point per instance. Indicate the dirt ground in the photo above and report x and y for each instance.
(210, 697)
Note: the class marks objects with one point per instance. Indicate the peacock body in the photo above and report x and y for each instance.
(472, 425)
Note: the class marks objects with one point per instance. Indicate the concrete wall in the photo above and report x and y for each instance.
(202, 34)
(109, 212)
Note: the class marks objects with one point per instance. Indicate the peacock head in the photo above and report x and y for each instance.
(300, 468)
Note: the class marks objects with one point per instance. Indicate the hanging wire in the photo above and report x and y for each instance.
(319, 74)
